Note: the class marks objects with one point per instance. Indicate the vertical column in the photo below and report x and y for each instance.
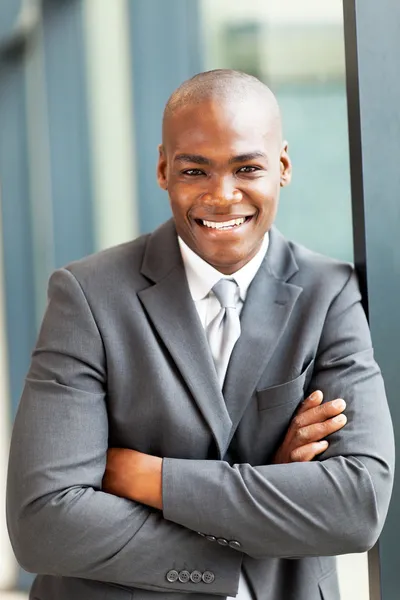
(8, 568)
(109, 85)
(372, 38)
(17, 297)
(16, 239)
(68, 128)
(166, 50)
(39, 164)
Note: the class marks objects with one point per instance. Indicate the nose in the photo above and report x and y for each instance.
(222, 191)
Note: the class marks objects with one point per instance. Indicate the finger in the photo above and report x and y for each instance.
(308, 452)
(319, 414)
(312, 401)
(318, 431)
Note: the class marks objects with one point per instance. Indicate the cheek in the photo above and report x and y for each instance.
(180, 203)
(263, 190)
(267, 202)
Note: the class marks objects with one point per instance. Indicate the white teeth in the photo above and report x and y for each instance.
(224, 224)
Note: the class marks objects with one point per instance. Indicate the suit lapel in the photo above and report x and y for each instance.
(269, 304)
(170, 307)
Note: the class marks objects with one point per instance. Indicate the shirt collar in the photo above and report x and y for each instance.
(202, 276)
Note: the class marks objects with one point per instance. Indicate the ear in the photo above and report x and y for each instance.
(285, 166)
(162, 168)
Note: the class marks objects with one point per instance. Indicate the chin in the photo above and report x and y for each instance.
(229, 265)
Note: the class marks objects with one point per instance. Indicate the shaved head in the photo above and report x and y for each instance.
(223, 162)
(224, 86)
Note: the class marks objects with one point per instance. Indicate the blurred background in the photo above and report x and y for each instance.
(83, 84)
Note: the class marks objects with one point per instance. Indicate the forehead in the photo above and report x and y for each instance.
(213, 126)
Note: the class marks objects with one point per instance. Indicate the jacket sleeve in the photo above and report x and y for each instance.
(334, 505)
(59, 520)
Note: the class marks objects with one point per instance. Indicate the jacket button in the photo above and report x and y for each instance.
(208, 577)
(222, 542)
(195, 576)
(172, 576)
(184, 576)
(235, 545)
(211, 538)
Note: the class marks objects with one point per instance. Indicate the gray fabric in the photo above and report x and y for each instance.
(222, 344)
(122, 360)
(228, 320)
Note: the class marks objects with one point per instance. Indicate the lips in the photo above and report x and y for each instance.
(223, 225)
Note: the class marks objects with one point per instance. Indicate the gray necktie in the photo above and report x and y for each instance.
(223, 333)
(224, 330)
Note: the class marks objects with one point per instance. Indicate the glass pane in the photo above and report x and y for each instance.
(9, 10)
(296, 48)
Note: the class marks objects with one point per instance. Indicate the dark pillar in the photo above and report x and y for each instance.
(372, 39)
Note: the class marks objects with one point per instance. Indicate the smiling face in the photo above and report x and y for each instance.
(223, 163)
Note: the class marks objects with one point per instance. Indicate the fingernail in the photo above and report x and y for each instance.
(339, 403)
(316, 395)
(340, 419)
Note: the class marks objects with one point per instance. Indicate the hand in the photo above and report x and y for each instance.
(312, 422)
(134, 475)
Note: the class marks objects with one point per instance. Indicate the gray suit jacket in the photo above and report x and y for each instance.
(122, 360)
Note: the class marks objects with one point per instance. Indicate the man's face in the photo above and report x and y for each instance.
(223, 164)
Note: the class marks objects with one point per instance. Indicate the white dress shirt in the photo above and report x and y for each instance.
(201, 278)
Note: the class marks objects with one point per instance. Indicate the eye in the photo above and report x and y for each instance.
(248, 169)
(193, 172)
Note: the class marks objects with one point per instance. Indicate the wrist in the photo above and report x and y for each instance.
(146, 486)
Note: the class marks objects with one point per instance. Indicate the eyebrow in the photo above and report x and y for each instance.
(247, 157)
(193, 158)
(198, 159)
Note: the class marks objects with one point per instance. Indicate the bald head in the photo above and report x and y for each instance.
(223, 158)
(224, 86)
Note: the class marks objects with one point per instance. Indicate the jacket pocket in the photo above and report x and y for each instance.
(285, 393)
(329, 587)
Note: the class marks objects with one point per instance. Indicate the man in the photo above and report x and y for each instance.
(219, 476)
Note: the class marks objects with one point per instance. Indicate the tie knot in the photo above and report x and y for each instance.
(225, 291)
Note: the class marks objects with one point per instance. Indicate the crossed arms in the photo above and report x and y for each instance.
(62, 522)
(138, 476)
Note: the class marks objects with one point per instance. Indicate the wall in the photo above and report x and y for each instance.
(97, 75)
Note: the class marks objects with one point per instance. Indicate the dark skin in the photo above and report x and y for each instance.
(219, 161)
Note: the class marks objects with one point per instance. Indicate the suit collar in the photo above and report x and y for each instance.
(266, 314)
(269, 304)
(171, 310)
(280, 260)
(162, 254)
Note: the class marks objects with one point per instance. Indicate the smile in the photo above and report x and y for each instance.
(224, 225)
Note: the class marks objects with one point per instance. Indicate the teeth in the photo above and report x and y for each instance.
(224, 224)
